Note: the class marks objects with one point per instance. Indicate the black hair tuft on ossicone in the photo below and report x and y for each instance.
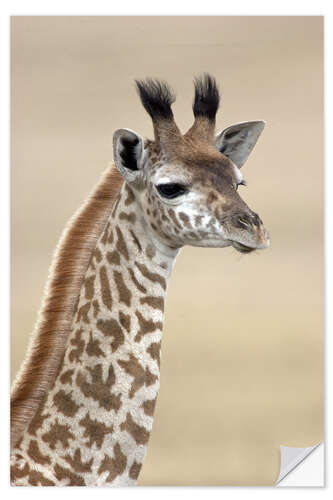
(156, 97)
(207, 97)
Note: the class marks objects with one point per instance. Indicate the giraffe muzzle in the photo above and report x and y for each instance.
(248, 232)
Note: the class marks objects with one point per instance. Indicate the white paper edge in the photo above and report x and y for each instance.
(292, 457)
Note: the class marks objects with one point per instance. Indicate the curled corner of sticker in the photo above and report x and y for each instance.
(291, 457)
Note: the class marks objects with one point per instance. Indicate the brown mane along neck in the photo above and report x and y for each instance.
(67, 271)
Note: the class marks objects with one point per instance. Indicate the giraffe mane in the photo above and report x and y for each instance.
(53, 326)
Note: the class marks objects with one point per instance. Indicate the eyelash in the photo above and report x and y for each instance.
(241, 183)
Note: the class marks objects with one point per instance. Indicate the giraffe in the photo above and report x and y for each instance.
(83, 403)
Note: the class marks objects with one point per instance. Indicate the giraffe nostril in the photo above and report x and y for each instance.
(242, 221)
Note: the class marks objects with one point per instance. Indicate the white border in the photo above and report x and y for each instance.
(143, 7)
(306, 471)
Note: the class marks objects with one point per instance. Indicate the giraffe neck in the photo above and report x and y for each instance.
(94, 425)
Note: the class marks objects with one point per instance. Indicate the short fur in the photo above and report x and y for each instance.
(53, 326)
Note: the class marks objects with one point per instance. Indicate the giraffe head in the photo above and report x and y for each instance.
(187, 185)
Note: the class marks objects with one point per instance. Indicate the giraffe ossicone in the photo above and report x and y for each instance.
(83, 402)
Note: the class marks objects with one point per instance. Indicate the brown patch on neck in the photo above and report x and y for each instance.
(135, 470)
(124, 293)
(53, 328)
(111, 328)
(36, 455)
(149, 406)
(64, 473)
(105, 288)
(65, 404)
(95, 430)
(146, 326)
(99, 390)
(58, 433)
(140, 434)
(114, 466)
(154, 277)
(37, 479)
(77, 463)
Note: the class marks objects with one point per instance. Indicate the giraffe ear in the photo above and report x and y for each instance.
(128, 153)
(236, 142)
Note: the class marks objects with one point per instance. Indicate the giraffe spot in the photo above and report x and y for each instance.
(110, 240)
(135, 470)
(75, 354)
(121, 245)
(95, 431)
(37, 479)
(154, 277)
(17, 472)
(83, 313)
(93, 348)
(66, 377)
(105, 288)
(131, 217)
(77, 463)
(155, 350)
(65, 403)
(113, 257)
(138, 433)
(149, 407)
(125, 321)
(136, 241)
(98, 390)
(124, 292)
(138, 285)
(146, 326)
(150, 251)
(130, 196)
(150, 377)
(36, 455)
(134, 368)
(62, 473)
(89, 287)
(58, 433)
(97, 254)
(114, 466)
(154, 302)
(173, 217)
(96, 307)
(185, 219)
(111, 328)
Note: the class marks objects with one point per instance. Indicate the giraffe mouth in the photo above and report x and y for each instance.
(242, 248)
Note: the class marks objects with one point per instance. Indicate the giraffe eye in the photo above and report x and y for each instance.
(171, 190)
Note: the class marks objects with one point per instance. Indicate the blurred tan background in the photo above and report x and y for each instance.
(253, 378)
